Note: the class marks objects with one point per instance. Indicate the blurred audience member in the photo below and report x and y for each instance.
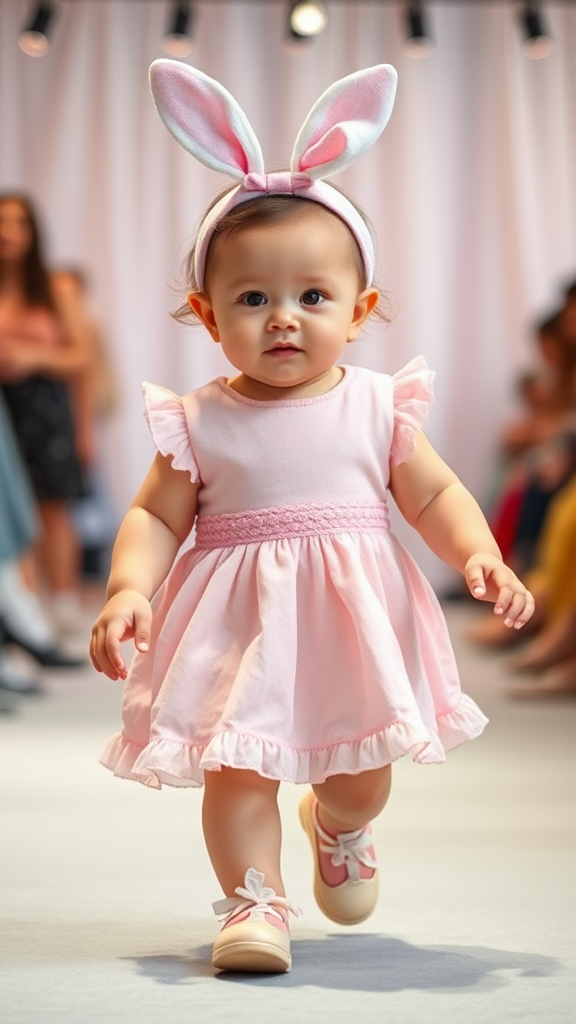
(17, 531)
(43, 348)
(535, 461)
(553, 651)
(22, 618)
(540, 501)
(569, 320)
(95, 400)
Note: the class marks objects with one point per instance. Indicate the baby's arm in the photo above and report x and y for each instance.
(434, 501)
(158, 521)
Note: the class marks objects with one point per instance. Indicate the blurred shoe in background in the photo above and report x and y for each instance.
(66, 614)
(25, 623)
(14, 678)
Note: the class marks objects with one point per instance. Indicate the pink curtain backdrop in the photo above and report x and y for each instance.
(471, 190)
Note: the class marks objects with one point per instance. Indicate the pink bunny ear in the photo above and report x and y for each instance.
(345, 121)
(205, 119)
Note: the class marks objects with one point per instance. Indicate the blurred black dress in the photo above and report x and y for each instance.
(41, 414)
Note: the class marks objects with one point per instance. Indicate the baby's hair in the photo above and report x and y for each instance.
(258, 212)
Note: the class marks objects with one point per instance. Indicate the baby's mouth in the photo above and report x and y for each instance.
(282, 349)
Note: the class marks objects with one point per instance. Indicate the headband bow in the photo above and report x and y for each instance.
(208, 122)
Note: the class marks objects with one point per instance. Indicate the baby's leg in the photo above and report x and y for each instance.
(348, 802)
(242, 827)
(242, 831)
(336, 819)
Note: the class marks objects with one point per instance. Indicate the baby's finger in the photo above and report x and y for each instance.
(505, 595)
(142, 628)
(99, 655)
(526, 612)
(475, 580)
(92, 651)
(515, 608)
(96, 664)
(114, 634)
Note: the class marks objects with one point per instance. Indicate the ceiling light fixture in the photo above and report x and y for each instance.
(178, 39)
(33, 39)
(419, 43)
(307, 18)
(538, 43)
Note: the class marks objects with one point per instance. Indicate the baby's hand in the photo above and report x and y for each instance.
(489, 579)
(128, 614)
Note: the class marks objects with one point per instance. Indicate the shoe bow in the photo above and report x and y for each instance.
(348, 848)
(258, 899)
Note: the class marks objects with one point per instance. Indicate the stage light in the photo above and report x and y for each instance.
(419, 43)
(538, 43)
(307, 18)
(33, 40)
(178, 39)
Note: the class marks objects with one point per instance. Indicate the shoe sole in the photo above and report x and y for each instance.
(307, 822)
(256, 957)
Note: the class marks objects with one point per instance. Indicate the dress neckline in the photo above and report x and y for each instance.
(222, 383)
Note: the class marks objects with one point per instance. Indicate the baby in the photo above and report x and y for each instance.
(297, 640)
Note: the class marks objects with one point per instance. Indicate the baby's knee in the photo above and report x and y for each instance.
(239, 780)
(357, 795)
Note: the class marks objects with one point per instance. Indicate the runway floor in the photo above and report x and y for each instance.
(106, 886)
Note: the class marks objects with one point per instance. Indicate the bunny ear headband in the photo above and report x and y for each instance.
(207, 121)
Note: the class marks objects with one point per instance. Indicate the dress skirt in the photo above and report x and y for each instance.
(299, 659)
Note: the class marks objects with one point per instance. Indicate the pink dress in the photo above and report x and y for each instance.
(297, 638)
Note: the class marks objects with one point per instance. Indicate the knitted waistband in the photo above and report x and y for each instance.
(290, 521)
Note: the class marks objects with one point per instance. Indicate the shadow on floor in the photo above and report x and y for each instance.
(367, 963)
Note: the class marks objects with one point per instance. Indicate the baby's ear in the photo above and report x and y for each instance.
(365, 305)
(201, 306)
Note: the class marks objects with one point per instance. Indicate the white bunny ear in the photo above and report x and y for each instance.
(205, 119)
(345, 121)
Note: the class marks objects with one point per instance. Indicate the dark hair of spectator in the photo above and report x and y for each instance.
(527, 379)
(552, 327)
(35, 277)
(570, 290)
(551, 324)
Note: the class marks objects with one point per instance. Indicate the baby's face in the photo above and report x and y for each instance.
(283, 300)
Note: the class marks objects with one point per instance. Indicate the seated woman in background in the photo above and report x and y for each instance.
(532, 464)
(23, 621)
(43, 348)
(536, 515)
(552, 653)
(95, 401)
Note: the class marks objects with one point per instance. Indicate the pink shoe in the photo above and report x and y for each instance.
(353, 899)
(255, 935)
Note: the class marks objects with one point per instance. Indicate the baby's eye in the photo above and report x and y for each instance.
(254, 299)
(312, 298)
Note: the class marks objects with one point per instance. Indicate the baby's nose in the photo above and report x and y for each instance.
(283, 317)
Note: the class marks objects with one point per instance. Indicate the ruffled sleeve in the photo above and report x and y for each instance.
(166, 417)
(413, 395)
